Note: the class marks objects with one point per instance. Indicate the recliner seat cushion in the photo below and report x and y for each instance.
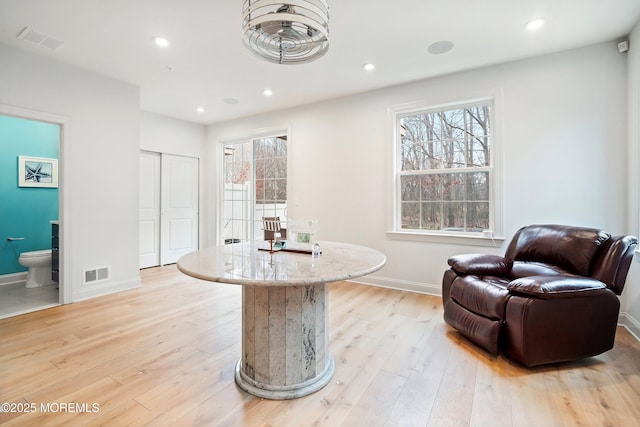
(529, 268)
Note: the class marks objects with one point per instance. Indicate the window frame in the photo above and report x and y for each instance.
(492, 237)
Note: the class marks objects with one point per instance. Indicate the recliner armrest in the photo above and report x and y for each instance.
(550, 287)
(481, 264)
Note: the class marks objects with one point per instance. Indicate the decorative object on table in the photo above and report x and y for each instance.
(304, 238)
(302, 230)
(287, 32)
(37, 172)
(276, 235)
(273, 231)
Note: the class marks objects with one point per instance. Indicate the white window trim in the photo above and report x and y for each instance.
(634, 153)
(495, 236)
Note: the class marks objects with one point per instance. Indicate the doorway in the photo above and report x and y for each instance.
(169, 207)
(255, 186)
(32, 204)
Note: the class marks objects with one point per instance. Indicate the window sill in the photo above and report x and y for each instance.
(452, 239)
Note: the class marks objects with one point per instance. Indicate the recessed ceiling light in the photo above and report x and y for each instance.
(440, 47)
(267, 92)
(161, 41)
(535, 24)
(369, 67)
(200, 109)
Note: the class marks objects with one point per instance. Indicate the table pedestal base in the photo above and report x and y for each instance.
(284, 341)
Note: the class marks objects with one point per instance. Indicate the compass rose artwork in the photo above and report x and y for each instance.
(37, 172)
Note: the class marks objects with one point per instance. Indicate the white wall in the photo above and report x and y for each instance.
(167, 135)
(564, 139)
(171, 136)
(565, 157)
(630, 315)
(99, 164)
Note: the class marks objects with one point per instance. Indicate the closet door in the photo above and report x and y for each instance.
(179, 207)
(149, 209)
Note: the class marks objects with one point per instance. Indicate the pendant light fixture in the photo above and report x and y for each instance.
(286, 32)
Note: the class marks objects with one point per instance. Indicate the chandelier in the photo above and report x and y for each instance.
(286, 33)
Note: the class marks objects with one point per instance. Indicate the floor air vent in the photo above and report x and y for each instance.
(99, 274)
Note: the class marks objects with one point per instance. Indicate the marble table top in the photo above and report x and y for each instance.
(244, 264)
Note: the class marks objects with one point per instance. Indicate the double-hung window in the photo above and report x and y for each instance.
(444, 170)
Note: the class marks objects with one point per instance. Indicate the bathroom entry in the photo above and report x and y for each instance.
(169, 208)
(26, 212)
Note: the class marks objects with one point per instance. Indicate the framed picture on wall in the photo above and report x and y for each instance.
(37, 172)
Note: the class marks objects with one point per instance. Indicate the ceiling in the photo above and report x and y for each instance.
(206, 62)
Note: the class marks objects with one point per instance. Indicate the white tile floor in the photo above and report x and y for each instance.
(16, 299)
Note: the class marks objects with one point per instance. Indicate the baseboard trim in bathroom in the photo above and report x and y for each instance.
(10, 279)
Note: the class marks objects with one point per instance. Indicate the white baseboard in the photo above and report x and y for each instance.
(9, 279)
(401, 285)
(105, 288)
(632, 325)
(625, 320)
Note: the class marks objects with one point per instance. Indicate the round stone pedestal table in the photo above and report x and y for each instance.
(284, 309)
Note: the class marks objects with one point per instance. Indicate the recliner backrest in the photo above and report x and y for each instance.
(574, 249)
(614, 261)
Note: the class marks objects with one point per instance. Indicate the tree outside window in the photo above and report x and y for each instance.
(445, 167)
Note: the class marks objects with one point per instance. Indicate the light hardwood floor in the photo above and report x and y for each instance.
(164, 354)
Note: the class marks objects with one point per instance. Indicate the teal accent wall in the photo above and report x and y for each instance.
(25, 211)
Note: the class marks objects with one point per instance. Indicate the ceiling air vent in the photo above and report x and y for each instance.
(36, 37)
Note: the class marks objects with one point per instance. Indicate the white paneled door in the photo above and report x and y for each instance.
(149, 209)
(179, 201)
(176, 219)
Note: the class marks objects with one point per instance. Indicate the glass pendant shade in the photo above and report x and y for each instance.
(286, 33)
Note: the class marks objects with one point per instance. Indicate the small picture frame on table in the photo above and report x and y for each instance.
(304, 238)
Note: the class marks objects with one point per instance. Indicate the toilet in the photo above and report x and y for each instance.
(39, 264)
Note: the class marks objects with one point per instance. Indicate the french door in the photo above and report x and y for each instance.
(255, 186)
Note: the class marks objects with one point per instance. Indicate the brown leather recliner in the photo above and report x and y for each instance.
(551, 298)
